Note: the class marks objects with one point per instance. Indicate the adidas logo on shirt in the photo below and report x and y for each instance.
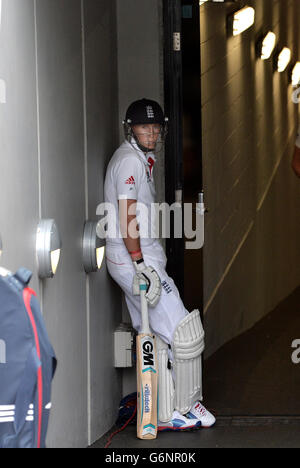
(130, 181)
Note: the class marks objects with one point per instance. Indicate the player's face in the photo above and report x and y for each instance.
(147, 134)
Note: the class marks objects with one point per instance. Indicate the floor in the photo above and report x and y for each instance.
(251, 385)
(272, 436)
(254, 374)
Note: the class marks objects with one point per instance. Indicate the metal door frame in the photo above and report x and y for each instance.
(173, 90)
(173, 148)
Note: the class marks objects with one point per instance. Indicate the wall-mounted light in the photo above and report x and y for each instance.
(48, 247)
(267, 45)
(242, 19)
(296, 75)
(93, 248)
(284, 59)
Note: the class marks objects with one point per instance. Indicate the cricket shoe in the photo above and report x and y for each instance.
(178, 423)
(201, 414)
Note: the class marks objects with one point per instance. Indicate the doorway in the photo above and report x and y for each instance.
(242, 378)
(192, 143)
(183, 153)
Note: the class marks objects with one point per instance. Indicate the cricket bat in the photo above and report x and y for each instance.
(147, 377)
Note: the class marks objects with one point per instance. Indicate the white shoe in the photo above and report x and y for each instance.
(198, 412)
(179, 423)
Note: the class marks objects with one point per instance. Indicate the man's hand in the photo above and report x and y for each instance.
(130, 233)
(151, 277)
(296, 161)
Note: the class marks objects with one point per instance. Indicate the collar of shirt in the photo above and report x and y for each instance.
(150, 158)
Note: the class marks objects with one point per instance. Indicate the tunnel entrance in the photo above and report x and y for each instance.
(252, 375)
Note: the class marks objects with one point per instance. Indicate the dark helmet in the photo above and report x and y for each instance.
(144, 111)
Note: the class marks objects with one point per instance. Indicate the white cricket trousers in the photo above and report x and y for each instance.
(169, 311)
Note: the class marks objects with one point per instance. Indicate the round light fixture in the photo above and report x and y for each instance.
(267, 46)
(283, 59)
(242, 20)
(48, 247)
(93, 248)
(296, 75)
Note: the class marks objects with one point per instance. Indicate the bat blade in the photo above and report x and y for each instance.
(146, 387)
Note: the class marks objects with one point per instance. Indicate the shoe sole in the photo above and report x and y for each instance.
(179, 429)
(210, 425)
(207, 427)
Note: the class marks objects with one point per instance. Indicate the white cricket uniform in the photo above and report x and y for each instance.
(298, 138)
(130, 176)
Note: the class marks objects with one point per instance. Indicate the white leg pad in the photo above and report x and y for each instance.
(188, 345)
(166, 391)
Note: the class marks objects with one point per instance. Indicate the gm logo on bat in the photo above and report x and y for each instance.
(148, 354)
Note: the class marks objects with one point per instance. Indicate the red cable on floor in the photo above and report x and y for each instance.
(121, 429)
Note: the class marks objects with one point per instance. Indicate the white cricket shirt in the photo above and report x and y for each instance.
(129, 175)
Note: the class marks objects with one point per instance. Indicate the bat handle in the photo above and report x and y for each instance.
(144, 308)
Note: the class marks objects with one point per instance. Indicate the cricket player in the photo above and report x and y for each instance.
(296, 157)
(130, 189)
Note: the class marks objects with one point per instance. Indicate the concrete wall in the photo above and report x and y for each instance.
(252, 250)
(140, 74)
(59, 127)
(140, 63)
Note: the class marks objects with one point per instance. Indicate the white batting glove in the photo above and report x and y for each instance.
(151, 277)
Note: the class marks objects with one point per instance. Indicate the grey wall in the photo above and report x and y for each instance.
(104, 383)
(58, 130)
(140, 74)
(19, 175)
(140, 62)
(252, 250)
